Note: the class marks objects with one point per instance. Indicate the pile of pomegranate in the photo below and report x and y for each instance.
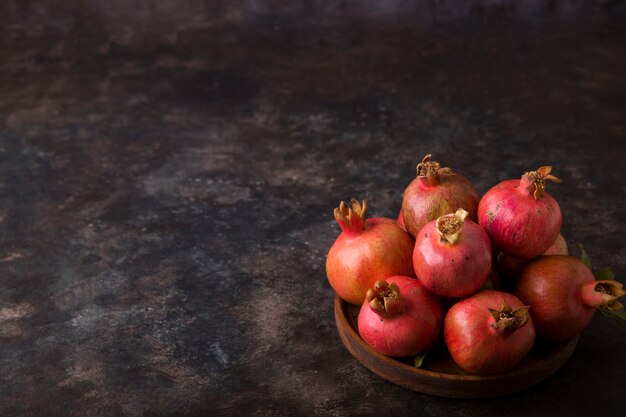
(489, 275)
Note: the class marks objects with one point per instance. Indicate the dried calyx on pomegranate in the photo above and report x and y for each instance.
(521, 219)
(452, 255)
(449, 226)
(384, 299)
(489, 332)
(351, 217)
(507, 320)
(564, 295)
(365, 251)
(534, 182)
(399, 317)
(430, 171)
(603, 295)
(434, 192)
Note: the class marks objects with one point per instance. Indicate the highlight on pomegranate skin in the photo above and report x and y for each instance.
(452, 255)
(367, 250)
(564, 295)
(399, 317)
(434, 192)
(522, 219)
(489, 332)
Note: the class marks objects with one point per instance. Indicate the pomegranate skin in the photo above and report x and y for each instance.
(411, 331)
(366, 251)
(452, 270)
(400, 220)
(494, 276)
(511, 267)
(473, 341)
(559, 247)
(430, 196)
(552, 286)
(517, 223)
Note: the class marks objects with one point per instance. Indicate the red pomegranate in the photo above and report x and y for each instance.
(510, 267)
(436, 191)
(559, 247)
(367, 250)
(521, 219)
(399, 317)
(489, 332)
(494, 279)
(564, 295)
(452, 255)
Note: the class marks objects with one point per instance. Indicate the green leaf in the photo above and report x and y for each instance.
(584, 257)
(620, 314)
(604, 274)
(419, 358)
(488, 285)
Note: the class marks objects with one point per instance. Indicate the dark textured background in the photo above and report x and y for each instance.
(168, 173)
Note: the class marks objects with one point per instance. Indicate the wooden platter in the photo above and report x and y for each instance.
(439, 375)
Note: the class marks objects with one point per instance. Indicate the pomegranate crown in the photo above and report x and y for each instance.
(384, 299)
(430, 170)
(535, 181)
(351, 218)
(603, 293)
(449, 226)
(611, 291)
(508, 320)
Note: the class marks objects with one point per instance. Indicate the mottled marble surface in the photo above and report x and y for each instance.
(168, 174)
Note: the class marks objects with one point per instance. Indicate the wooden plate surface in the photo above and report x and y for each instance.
(439, 375)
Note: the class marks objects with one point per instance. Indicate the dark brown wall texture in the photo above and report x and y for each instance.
(168, 172)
